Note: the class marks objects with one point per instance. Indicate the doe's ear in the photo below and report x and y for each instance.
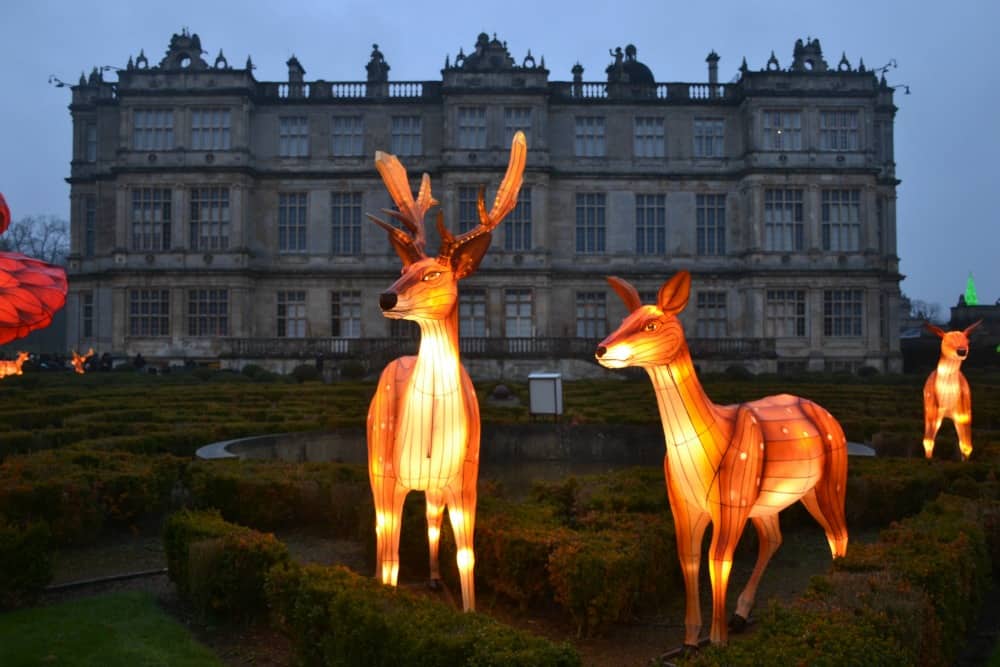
(466, 257)
(972, 326)
(674, 294)
(628, 293)
(937, 331)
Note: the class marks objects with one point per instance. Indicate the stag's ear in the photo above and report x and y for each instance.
(937, 331)
(466, 257)
(972, 326)
(627, 292)
(673, 296)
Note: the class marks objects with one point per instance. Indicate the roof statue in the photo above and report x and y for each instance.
(184, 52)
(378, 68)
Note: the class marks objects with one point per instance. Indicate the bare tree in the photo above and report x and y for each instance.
(925, 310)
(43, 237)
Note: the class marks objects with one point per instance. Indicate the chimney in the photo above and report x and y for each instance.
(713, 67)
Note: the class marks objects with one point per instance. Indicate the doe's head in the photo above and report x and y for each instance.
(427, 287)
(651, 334)
(954, 344)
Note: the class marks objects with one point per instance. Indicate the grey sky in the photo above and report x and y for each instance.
(947, 136)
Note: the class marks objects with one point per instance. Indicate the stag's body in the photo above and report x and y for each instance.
(423, 422)
(79, 360)
(13, 367)
(946, 392)
(725, 464)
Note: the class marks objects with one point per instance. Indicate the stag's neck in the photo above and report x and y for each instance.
(689, 417)
(438, 369)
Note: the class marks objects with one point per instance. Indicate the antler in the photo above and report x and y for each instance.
(503, 204)
(411, 213)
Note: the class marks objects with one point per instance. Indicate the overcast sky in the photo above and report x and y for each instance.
(947, 132)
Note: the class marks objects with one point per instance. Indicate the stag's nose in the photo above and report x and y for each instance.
(961, 352)
(387, 300)
(601, 350)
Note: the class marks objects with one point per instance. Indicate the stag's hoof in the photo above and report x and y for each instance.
(434, 584)
(737, 623)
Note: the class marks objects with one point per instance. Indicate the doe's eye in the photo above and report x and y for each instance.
(432, 275)
(651, 326)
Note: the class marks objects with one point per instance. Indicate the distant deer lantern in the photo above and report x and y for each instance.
(423, 422)
(946, 392)
(725, 464)
(80, 359)
(13, 367)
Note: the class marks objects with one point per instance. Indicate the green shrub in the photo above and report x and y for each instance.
(306, 373)
(219, 566)
(352, 369)
(25, 565)
(336, 617)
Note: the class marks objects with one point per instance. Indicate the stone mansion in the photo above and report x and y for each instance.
(215, 217)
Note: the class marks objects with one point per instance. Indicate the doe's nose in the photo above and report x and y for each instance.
(387, 300)
(961, 351)
(600, 352)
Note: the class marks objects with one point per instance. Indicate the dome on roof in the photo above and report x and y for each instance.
(628, 69)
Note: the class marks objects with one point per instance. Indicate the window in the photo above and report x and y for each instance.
(651, 224)
(209, 218)
(591, 315)
(345, 314)
(151, 219)
(514, 119)
(468, 211)
(347, 133)
(87, 314)
(841, 224)
(590, 230)
(589, 136)
(210, 130)
(517, 225)
(785, 313)
(149, 312)
(153, 129)
(208, 312)
(711, 320)
(649, 137)
(407, 136)
(346, 209)
(90, 142)
(292, 314)
(842, 312)
(472, 313)
(292, 208)
(709, 134)
(782, 130)
(517, 313)
(838, 130)
(710, 224)
(404, 330)
(89, 225)
(472, 127)
(293, 136)
(783, 226)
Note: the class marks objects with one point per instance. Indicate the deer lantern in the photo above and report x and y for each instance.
(13, 367)
(725, 464)
(423, 422)
(946, 392)
(79, 360)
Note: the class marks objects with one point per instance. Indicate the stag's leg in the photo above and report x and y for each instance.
(389, 497)
(435, 511)
(769, 537)
(461, 499)
(689, 525)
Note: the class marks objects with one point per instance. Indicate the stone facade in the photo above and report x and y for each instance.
(215, 216)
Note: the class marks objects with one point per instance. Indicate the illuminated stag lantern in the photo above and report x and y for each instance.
(423, 422)
(946, 392)
(31, 290)
(80, 359)
(725, 464)
(13, 367)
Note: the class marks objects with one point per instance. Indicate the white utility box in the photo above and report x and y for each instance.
(545, 390)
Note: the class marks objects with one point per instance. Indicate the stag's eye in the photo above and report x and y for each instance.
(651, 326)
(432, 275)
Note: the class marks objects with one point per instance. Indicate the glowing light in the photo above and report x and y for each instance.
(947, 393)
(719, 464)
(13, 367)
(425, 424)
(79, 361)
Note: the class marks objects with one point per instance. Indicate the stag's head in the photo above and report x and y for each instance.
(20, 359)
(428, 286)
(954, 344)
(651, 335)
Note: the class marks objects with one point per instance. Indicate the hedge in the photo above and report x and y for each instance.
(218, 566)
(336, 617)
(25, 563)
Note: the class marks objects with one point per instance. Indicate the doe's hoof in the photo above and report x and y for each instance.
(737, 623)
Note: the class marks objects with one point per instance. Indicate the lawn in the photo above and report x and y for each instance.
(126, 629)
